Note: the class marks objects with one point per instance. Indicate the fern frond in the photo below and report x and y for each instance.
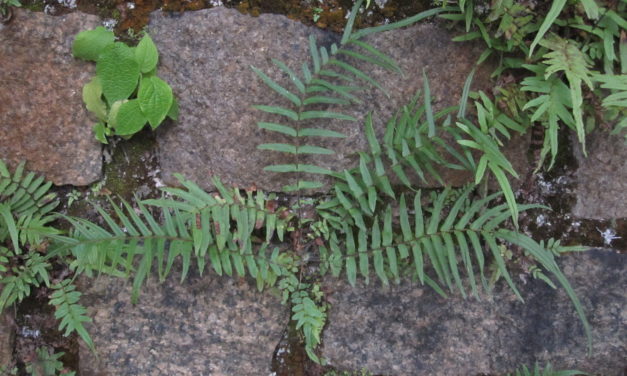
(567, 57)
(17, 281)
(551, 105)
(70, 312)
(329, 79)
(493, 160)
(215, 229)
(455, 238)
(617, 100)
(25, 194)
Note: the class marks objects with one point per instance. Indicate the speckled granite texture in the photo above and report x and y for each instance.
(7, 336)
(206, 57)
(413, 331)
(42, 117)
(207, 326)
(602, 177)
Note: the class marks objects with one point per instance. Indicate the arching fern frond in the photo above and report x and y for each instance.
(454, 237)
(567, 57)
(194, 226)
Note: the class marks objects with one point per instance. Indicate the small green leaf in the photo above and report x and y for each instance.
(146, 54)
(276, 87)
(129, 119)
(92, 96)
(89, 44)
(118, 72)
(173, 113)
(278, 110)
(305, 115)
(277, 128)
(155, 99)
(100, 132)
(316, 132)
(310, 149)
(551, 16)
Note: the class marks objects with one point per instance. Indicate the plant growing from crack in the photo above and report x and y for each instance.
(126, 93)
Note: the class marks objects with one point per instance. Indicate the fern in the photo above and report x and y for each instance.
(617, 100)
(442, 238)
(47, 364)
(197, 225)
(551, 107)
(17, 281)
(567, 57)
(330, 79)
(71, 314)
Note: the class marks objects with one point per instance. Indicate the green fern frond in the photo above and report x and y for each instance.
(196, 226)
(434, 237)
(17, 281)
(70, 312)
(25, 194)
(617, 100)
(330, 78)
(551, 105)
(493, 160)
(567, 57)
(455, 239)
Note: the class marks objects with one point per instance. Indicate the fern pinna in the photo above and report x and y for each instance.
(330, 79)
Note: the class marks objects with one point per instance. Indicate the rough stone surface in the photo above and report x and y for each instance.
(413, 331)
(206, 57)
(205, 326)
(7, 336)
(602, 178)
(42, 117)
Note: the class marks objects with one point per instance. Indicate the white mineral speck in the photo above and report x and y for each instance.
(608, 235)
(109, 23)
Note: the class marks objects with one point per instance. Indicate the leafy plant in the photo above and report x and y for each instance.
(368, 225)
(526, 37)
(125, 94)
(314, 86)
(25, 235)
(4, 7)
(47, 364)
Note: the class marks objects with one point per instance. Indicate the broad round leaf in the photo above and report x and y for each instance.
(92, 96)
(118, 72)
(155, 99)
(129, 119)
(90, 44)
(146, 54)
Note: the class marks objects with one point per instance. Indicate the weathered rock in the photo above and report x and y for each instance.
(42, 117)
(7, 337)
(206, 57)
(602, 177)
(205, 326)
(413, 331)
